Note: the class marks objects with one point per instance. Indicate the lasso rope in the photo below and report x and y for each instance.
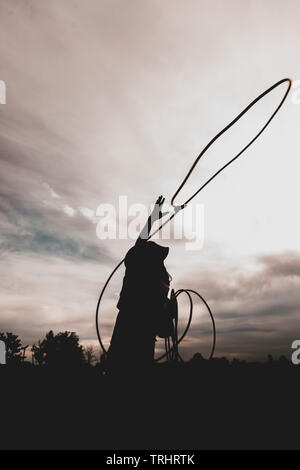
(172, 350)
(285, 80)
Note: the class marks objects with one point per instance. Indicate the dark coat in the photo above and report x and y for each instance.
(142, 300)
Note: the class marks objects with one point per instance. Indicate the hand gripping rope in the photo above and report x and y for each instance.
(172, 350)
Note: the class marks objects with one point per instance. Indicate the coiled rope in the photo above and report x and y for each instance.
(172, 353)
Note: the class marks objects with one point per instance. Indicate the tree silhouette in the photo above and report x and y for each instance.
(13, 347)
(90, 355)
(62, 349)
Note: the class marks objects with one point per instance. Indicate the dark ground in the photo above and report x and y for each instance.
(197, 405)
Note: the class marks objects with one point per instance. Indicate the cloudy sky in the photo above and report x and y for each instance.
(117, 97)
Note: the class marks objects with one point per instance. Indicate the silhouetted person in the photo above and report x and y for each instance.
(142, 303)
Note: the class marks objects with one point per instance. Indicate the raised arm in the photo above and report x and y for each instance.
(155, 215)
